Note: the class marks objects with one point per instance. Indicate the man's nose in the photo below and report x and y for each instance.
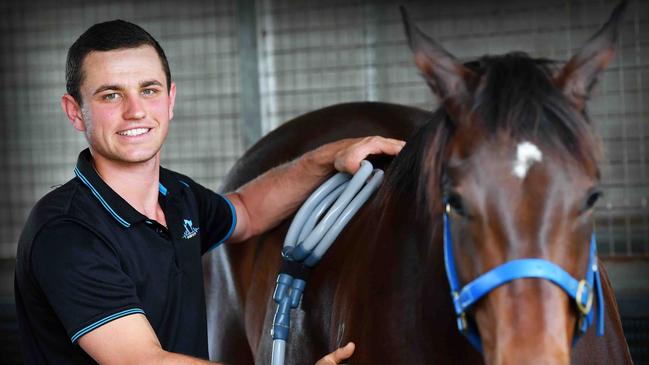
(134, 108)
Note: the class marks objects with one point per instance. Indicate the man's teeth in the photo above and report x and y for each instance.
(133, 132)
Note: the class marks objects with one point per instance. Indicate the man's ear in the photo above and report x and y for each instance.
(72, 110)
(172, 99)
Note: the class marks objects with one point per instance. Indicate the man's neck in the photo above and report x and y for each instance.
(137, 183)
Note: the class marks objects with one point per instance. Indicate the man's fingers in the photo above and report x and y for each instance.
(392, 146)
(350, 157)
(342, 353)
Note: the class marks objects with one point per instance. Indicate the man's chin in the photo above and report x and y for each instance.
(140, 158)
(133, 158)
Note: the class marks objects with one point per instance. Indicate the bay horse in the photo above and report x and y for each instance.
(383, 283)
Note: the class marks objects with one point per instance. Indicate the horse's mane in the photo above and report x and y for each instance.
(516, 98)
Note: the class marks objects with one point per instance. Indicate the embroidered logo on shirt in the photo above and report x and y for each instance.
(190, 230)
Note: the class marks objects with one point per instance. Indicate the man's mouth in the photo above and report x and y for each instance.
(134, 132)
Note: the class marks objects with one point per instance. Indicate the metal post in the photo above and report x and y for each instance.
(248, 71)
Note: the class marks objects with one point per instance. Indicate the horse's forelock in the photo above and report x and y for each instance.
(518, 98)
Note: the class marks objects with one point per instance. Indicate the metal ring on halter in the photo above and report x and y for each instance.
(584, 309)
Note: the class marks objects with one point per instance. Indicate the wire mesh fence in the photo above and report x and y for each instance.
(314, 54)
(40, 147)
(310, 54)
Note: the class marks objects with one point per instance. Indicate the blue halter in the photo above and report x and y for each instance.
(581, 291)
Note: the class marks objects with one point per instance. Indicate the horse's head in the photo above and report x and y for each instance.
(519, 177)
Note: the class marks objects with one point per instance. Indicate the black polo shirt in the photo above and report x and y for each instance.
(86, 257)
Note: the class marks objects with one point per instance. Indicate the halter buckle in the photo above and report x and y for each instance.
(462, 323)
(584, 309)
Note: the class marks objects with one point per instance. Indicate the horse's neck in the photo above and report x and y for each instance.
(394, 280)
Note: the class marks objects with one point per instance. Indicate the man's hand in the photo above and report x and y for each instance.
(347, 154)
(342, 353)
(349, 159)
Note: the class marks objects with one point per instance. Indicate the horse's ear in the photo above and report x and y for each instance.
(578, 76)
(444, 73)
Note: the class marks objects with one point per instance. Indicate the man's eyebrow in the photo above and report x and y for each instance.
(150, 83)
(108, 87)
(118, 87)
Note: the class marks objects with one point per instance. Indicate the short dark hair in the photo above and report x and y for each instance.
(107, 36)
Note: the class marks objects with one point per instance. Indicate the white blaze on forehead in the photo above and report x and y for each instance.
(526, 155)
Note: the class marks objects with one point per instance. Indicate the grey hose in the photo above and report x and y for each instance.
(344, 218)
(279, 352)
(303, 238)
(310, 204)
(315, 227)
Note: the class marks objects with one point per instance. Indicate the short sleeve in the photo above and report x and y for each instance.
(217, 216)
(81, 277)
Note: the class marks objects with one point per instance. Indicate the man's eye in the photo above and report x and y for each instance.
(149, 91)
(111, 96)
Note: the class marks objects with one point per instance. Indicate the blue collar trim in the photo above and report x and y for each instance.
(103, 202)
(163, 190)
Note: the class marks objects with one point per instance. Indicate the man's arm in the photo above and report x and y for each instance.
(265, 201)
(131, 340)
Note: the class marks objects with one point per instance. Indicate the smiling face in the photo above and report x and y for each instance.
(126, 108)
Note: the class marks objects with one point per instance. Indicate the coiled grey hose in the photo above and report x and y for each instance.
(305, 239)
(311, 234)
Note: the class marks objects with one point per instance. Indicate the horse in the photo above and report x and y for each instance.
(510, 158)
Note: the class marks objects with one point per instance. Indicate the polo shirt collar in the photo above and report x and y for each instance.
(169, 183)
(119, 208)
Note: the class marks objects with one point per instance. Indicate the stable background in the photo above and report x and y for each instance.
(244, 67)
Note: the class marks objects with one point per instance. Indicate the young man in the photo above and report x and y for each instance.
(108, 265)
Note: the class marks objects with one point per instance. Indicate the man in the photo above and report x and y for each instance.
(108, 265)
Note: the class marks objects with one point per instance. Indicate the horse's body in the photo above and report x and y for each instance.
(380, 285)
(383, 283)
(249, 269)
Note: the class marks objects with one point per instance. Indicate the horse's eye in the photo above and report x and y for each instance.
(592, 199)
(454, 201)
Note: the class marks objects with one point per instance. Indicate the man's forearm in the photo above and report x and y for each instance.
(267, 200)
(170, 358)
(278, 192)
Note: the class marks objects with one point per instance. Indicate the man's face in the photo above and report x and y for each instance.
(126, 107)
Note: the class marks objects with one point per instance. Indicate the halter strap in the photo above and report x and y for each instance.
(581, 291)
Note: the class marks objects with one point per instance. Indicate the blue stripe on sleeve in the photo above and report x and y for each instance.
(232, 226)
(103, 321)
